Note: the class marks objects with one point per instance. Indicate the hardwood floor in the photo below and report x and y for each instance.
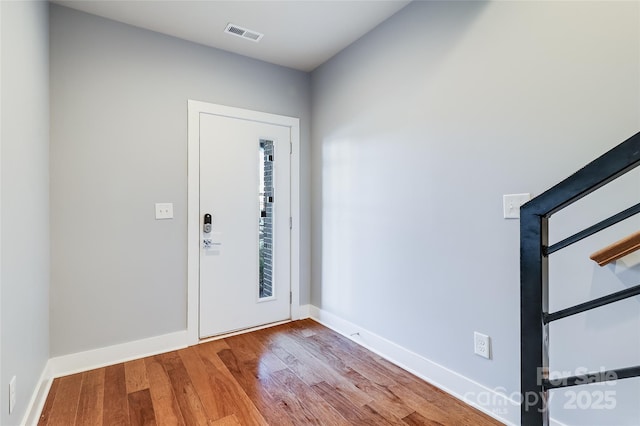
(294, 374)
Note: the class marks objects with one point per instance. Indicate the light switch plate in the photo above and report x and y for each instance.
(511, 204)
(164, 210)
(12, 394)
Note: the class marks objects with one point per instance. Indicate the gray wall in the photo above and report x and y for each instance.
(24, 334)
(421, 126)
(119, 144)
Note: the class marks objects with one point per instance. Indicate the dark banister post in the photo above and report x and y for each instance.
(534, 300)
(534, 296)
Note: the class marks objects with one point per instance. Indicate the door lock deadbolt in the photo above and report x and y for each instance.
(206, 228)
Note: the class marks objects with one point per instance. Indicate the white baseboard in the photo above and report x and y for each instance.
(484, 399)
(97, 358)
(304, 312)
(101, 357)
(39, 397)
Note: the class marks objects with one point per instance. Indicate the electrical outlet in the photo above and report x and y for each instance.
(482, 345)
(12, 394)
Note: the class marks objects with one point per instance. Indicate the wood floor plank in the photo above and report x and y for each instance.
(350, 411)
(435, 402)
(215, 345)
(231, 397)
(243, 348)
(201, 383)
(141, 411)
(293, 374)
(250, 347)
(340, 352)
(91, 403)
(188, 399)
(374, 413)
(136, 375)
(309, 368)
(65, 405)
(255, 385)
(116, 406)
(385, 401)
(48, 405)
(302, 370)
(231, 420)
(426, 405)
(439, 405)
(415, 419)
(319, 350)
(164, 401)
(400, 375)
(297, 394)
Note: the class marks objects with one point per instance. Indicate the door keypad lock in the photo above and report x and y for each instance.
(206, 227)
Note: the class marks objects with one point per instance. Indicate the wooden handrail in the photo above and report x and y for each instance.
(617, 250)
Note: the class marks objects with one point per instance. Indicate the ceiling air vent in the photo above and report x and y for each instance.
(238, 31)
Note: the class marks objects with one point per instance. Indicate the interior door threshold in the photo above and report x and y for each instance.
(244, 330)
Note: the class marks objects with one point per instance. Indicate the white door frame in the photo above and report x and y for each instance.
(195, 108)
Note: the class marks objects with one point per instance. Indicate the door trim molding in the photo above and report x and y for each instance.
(195, 108)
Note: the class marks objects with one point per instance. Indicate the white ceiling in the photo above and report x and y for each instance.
(300, 34)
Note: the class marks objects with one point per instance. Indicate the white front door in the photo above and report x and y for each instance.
(245, 244)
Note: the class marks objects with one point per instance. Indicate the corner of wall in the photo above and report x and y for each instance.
(24, 235)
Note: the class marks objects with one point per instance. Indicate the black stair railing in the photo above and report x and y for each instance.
(534, 277)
